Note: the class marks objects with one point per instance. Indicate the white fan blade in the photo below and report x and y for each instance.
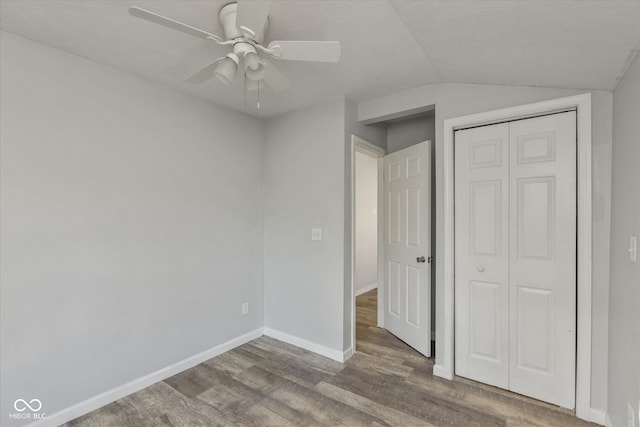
(205, 74)
(305, 50)
(274, 78)
(170, 23)
(251, 16)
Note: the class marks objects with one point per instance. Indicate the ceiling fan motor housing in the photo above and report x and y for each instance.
(227, 17)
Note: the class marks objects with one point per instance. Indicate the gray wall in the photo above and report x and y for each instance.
(375, 133)
(624, 323)
(304, 188)
(404, 133)
(307, 172)
(131, 226)
(454, 100)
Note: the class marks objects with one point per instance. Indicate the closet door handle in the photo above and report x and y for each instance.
(421, 259)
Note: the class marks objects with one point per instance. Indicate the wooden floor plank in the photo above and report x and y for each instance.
(391, 416)
(322, 409)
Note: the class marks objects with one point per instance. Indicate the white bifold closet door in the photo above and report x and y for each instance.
(515, 256)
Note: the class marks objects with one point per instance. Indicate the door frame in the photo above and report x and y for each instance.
(582, 103)
(360, 145)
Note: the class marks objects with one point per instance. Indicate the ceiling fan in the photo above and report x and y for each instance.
(245, 24)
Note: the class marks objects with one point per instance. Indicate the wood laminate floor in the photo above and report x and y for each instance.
(267, 382)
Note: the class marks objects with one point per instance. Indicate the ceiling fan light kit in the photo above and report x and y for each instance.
(226, 68)
(254, 67)
(245, 25)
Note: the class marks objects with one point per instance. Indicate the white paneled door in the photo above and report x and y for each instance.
(515, 260)
(482, 254)
(407, 246)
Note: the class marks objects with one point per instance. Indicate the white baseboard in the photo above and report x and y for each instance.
(367, 289)
(597, 416)
(347, 354)
(307, 345)
(440, 371)
(119, 392)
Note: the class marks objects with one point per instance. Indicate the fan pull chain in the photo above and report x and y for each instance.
(245, 93)
(258, 95)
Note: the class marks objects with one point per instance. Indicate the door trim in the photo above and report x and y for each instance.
(582, 103)
(360, 145)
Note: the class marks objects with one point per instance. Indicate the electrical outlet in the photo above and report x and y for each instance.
(245, 308)
(631, 416)
(316, 234)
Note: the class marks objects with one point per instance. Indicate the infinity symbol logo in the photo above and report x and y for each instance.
(21, 405)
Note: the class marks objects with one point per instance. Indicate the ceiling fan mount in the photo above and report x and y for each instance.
(245, 25)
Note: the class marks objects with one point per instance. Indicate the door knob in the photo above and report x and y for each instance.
(421, 259)
(480, 269)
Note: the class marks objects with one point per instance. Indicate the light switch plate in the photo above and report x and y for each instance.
(316, 234)
(633, 248)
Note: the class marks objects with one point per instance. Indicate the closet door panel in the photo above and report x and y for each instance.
(542, 258)
(482, 254)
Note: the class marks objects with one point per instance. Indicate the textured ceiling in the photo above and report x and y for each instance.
(387, 46)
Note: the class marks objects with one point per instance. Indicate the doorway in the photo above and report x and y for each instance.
(366, 229)
(409, 315)
(365, 278)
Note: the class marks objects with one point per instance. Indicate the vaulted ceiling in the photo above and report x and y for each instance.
(387, 46)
